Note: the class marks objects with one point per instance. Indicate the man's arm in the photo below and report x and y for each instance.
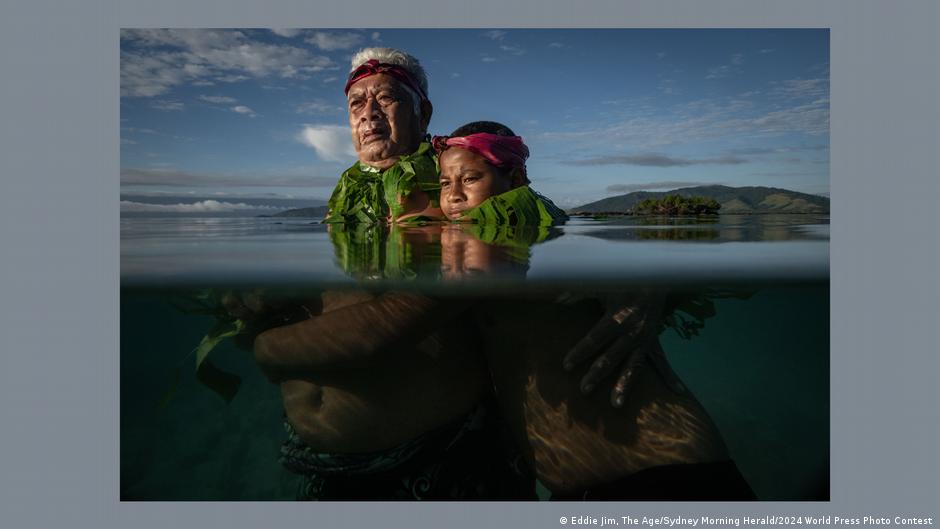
(351, 337)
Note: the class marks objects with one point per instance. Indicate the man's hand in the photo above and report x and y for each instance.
(620, 342)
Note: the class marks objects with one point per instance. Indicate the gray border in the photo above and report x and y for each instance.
(58, 376)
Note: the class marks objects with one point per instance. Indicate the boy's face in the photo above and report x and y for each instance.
(467, 180)
(463, 256)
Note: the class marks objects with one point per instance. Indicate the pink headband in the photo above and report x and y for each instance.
(374, 67)
(501, 151)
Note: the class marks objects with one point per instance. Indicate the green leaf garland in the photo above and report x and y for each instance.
(516, 207)
(368, 195)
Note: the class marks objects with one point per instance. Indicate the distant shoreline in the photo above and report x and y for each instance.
(632, 214)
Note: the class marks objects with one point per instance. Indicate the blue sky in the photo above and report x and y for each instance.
(254, 120)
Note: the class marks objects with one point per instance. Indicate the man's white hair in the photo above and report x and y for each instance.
(392, 56)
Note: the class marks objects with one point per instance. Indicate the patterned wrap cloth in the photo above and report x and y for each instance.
(469, 459)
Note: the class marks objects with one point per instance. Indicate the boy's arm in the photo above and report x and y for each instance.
(351, 337)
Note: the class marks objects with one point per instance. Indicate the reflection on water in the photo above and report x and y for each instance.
(245, 250)
(371, 365)
(724, 228)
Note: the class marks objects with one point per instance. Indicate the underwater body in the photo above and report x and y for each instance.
(753, 348)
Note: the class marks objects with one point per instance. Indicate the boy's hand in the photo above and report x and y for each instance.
(619, 342)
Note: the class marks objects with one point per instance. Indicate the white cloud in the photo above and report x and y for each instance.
(334, 41)
(287, 33)
(488, 59)
(668, 87)
(135, 130)
(218, 100)
(167, 105)
(654, 160)
(725, 70)
(242, 109)
(514, 50)
(812, 118)
(132, 178)
(154, 61)
(801, 88)
(555, 45)
(188, 38)
(150, 75)
(454, 75)
(376, 36)
(203, 206)
(318, 107)
(331, 142)
(650, 186)
(700, 121)
(196, 70)
(718, 72)
(139, 130)
(495, 34)
(232, 78)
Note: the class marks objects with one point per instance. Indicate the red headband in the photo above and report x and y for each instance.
(501, 151)
(374, 67)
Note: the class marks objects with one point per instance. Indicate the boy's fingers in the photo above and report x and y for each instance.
(627, 379)
(611, 359)
(600, 335)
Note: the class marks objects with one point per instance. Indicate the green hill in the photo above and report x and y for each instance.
(753, 199)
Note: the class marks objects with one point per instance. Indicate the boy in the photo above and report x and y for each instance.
(660, 445)
(483, 178)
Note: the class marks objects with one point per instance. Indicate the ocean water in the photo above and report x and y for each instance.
(178, 251)
(759, 364)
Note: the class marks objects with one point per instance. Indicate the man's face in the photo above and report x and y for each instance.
(467, 180)
(383, 121)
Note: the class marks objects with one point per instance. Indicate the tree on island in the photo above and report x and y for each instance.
(677, 205)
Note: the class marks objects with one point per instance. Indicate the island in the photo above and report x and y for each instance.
(677, 205)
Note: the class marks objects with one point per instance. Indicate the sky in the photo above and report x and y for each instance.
(254, 120)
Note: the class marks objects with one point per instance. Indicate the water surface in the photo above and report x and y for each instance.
(726, 248)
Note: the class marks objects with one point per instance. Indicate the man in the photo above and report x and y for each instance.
(382, 402)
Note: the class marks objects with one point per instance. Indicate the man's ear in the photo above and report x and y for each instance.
(427, 109)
